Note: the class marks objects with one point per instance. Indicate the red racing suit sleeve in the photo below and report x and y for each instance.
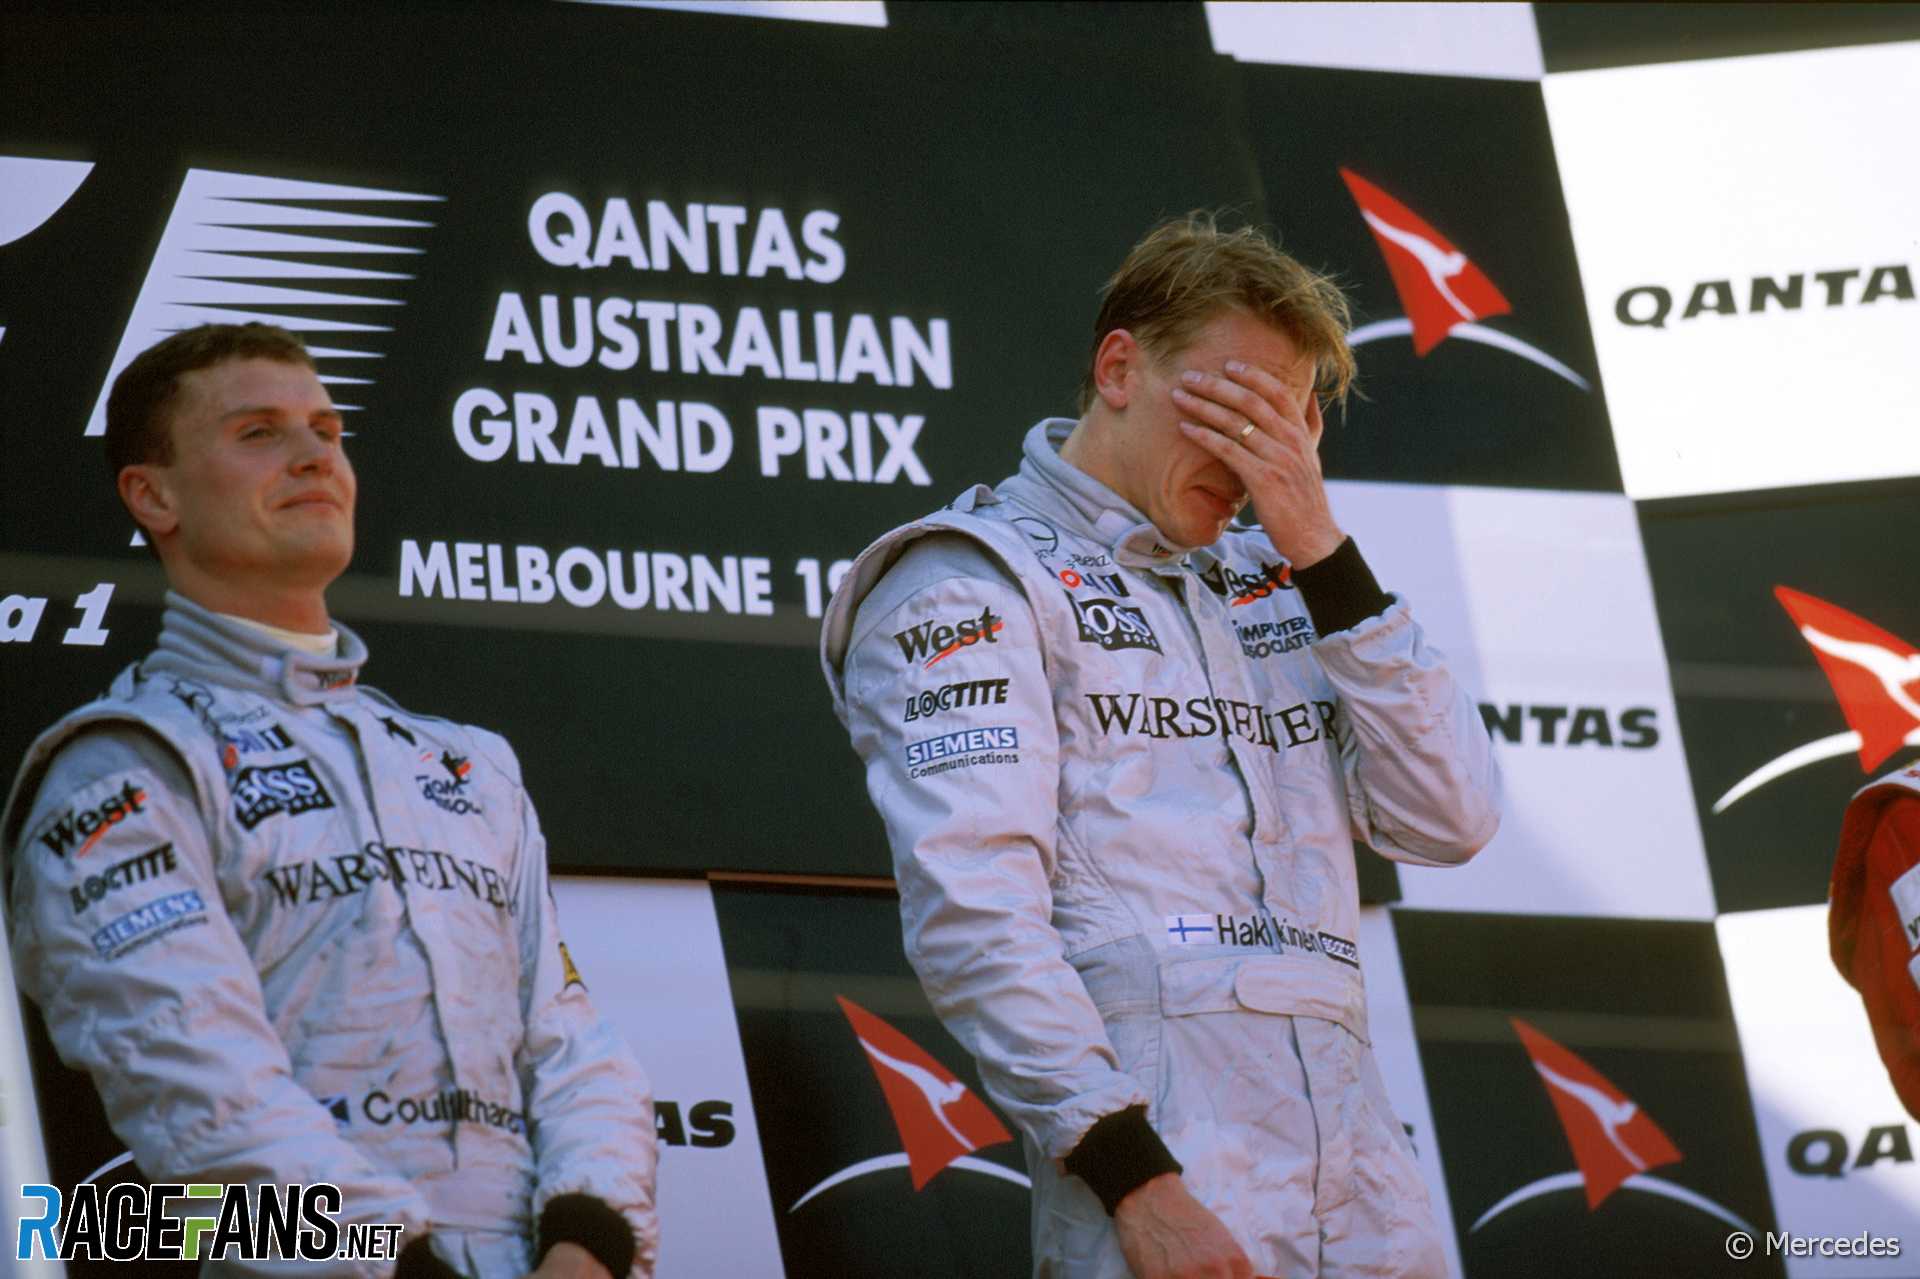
(969, 796)
(121, 936)
(1874, 927)
(591, 1106)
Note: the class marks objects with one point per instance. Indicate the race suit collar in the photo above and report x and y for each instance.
(1097, 509)
(198, 642)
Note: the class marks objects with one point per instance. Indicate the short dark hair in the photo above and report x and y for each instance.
(139, 406)
(1188, 269)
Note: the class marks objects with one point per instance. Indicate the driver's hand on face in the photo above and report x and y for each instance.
(1165, 1233)
(1278, 460)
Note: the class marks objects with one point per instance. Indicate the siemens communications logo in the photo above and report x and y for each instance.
(963, 749)
(150, 922)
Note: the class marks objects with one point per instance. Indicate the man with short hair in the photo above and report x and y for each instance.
(295, 932)
(1122, 750)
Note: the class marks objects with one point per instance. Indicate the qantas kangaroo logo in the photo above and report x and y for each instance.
(1614, 1142)
(1875, 677)
(940, 1121)
(1444, 293)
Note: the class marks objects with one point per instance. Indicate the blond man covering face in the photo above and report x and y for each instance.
(1127, 878)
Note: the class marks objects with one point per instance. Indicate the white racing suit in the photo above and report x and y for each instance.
(1121, 783)
(298, 934)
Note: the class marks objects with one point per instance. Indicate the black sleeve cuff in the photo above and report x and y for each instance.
(594, 1225)
(1340, 591)
(1120, 1154)
(419, 1261)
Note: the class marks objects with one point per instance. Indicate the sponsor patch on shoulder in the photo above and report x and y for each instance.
(933, 642)
(121, 936)
(78, 826)
(929, 702)
(133, 870)
(964, 748)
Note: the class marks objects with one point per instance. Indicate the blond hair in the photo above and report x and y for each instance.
(1187, 270)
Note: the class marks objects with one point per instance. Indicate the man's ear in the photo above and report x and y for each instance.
(148, 498)
(1116, 366)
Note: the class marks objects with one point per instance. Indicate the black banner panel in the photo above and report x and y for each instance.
(1436, 201)
(882, 1154)
(1588, 1094)
(640, 349)
(1784, 633)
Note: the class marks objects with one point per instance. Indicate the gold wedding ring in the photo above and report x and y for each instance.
(1245, 431)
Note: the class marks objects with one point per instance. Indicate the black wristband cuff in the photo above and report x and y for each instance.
(1340, 590)
(1119, 1154)
(419, 1261)
(594, 1225)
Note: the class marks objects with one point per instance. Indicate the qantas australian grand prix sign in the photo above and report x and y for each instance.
(628, 386)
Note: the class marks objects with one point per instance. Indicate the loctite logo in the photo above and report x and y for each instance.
(929, 702)
(1615, 1144)
(85, 826)
(936, 641)
(1445, 294)
(134, 870)
(1875, 676)
(940, 1121)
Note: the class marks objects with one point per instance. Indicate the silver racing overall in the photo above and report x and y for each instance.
(1121, 781)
